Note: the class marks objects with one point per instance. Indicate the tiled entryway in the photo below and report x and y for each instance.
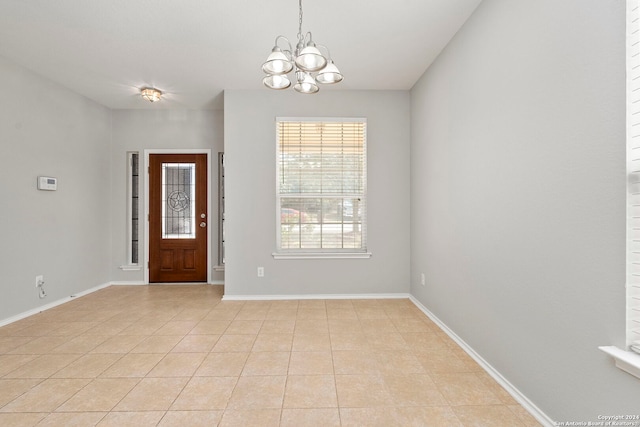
(179, 356)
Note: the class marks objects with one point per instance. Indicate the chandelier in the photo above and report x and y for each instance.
(308, 64)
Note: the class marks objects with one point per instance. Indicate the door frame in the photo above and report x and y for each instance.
(148, 152)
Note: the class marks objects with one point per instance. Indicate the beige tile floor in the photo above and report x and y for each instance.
(179, 356)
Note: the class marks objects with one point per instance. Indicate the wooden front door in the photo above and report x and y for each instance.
(178, 218)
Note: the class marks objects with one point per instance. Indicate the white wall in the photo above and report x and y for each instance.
(137, 130)
(518, 198)
(250, 150)
(64, 235)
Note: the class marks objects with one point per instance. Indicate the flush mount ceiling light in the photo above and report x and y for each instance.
(308, 64)
(151, 94)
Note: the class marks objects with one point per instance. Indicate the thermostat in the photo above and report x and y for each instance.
(47, 183)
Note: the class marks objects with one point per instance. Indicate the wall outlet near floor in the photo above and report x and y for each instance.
(40, 286)
(422, 279)
(260, 271)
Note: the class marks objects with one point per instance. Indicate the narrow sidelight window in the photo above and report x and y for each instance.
(132, 207)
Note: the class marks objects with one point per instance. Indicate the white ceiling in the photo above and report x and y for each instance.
(192, 50)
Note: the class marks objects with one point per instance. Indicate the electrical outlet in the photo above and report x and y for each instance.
(40, 286)
(422, 279)
(260, 271)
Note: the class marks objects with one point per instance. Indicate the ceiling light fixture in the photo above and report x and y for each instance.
(309, 65)
(151, 94)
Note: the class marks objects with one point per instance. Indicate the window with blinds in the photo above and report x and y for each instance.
(322, 185)
(633, 175)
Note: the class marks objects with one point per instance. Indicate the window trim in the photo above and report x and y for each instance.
(629, 360)
(321, 255)
(316, 253)
(633, 174)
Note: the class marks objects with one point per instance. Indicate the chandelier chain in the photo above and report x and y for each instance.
(300, 20)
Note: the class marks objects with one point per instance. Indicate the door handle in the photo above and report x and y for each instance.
(203, 224)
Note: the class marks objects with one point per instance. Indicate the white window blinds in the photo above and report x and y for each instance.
(633, 175)
(321, 188)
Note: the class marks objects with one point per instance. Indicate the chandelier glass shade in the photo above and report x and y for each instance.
(277, 81)
(308, 64)
(306, 83)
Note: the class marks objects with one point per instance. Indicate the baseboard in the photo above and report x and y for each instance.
(140, 283)
(536, 412)
(311, 296)
(53, 304)
(128, 283)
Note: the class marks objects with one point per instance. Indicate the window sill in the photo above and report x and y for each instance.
(131, 267)
(321, 255)
(628, 361)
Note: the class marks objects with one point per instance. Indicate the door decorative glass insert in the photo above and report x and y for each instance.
(178, 201)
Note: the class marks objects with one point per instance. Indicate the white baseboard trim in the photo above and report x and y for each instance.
(141, 282)
(53, 304)
(128, 283)
(214, 282)
(312, 296)
(131, 267)
(536, 412)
